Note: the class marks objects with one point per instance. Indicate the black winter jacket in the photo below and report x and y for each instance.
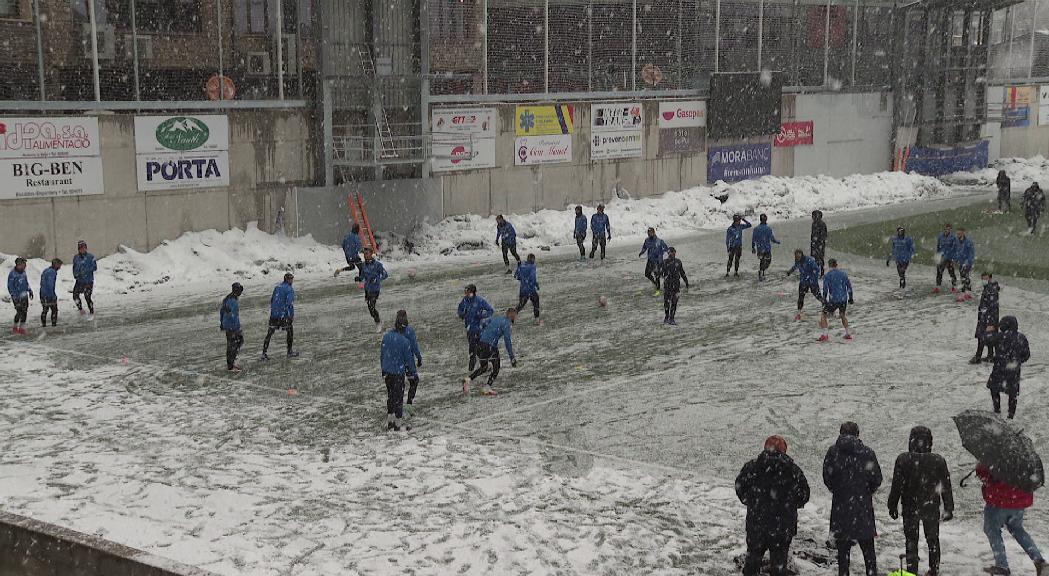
(920, 479)
(773, 488)
(852, 473)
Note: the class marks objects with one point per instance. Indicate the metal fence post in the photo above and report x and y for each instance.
(590, 46)
(218, 32)
(1034, 24)
(855, 38)
(280, 49)
(484, 56)
(546, 46)
(826, 45)
(94, 49)
(717, 35)
(134, 50)
(424, 89)
(633, 47)
(1010, 20)
(761, 28)
(39, 50)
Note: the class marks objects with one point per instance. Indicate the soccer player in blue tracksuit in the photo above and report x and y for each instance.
(372, 273)
(396, 362)
(351, 247)
(946, 252)
(761, 242)
(580, 232)
(21, 294)
(282, 315)
(902, 253)
(808, 278)
(229, 323)
(413, 342)
(526, 275)
(654, 248)
(498, 328)
(48, 293)
(600, 231)
(474, 310)
(506, 238)
(965, 255)
(837, 295)
(734, 242)
(84, 268)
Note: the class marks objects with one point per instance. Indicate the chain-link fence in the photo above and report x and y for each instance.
(157, 50)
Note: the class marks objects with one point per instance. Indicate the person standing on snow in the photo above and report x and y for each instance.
(282, 315)
(48, 294)
(506, 238)
(229, 323)
(921, 481)
(498, 328)
(808, 278)
(413, 344)
(734, 242)
(773, 488)
(852, 474)
(902, 254)
(1011, 351)
(1004, 507)
(372, 274)
(818, 239)
(966, 256)
(1005, 186)
(654, 248)
(351, 247)
(580, 232)
(21, 294)
(474, 310)
(84, 268)
(946, 251)
(396, 362)
(837, 294)
(526, 275)
(1034, 204)
(986, 318)
(673, 273)
(600, 231)
(761, 241)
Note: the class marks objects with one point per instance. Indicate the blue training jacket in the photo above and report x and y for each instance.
(84, 267)
(734, 235)
(580, 226)
(282, 302)
(48, 280)
(600, 226)
(506, 233)
(655, 247)
(18, 284)
(902, 249)
(395, 354)
(836, 286)
(229, 314)
(966, 252)
(373, 273)
(496, 328)
(526, 275)
(808, 270)
(947, 246)
(409, 333)
(473, 311)
(762, 239)
(351, 246)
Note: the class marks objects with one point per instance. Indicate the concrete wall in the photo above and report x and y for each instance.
(851, 134)
(396, 206)
(1025, 142)
(270, 151)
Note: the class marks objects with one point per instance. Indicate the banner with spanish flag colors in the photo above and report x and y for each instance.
(547, 120)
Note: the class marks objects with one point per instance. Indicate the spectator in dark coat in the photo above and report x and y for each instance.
(1004, 192)
(1034, 205)
(1011, 351)
(852, 474)
(921, 481)
(818, 239)
(773, 488)
(986, 318)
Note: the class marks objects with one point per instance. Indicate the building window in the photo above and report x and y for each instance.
(10, 8)
(253, 16)
(168, 16)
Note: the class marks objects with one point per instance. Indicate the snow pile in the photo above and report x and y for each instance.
(1022, 171)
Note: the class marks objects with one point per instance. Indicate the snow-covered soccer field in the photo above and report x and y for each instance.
(611, 449)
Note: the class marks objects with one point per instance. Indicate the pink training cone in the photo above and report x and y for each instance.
(293, 392)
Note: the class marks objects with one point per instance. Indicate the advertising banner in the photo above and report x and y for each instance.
(50, 157)
(1043, 105)
(681, 141)
(616, 131)
(181, 152)
(795, 134)
(741, 162)
(463, 138)
(940, 161)
(532, 150)
(682, 114)
(545, 120)
(1016, 110)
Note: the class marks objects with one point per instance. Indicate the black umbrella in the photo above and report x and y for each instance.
(1002, 447)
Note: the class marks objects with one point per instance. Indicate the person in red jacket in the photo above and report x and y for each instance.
(1005, 507)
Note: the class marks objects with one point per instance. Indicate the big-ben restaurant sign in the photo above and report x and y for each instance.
(49, 157)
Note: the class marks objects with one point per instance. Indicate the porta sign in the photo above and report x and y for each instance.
(49, 157)
(179, 152)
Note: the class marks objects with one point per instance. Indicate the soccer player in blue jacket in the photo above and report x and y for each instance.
(474, 310)
(761, 242)
(600, 231)
(413, 342)
(506, 238)
(396, 362)
(946, 252)
(902, 253)
(837, 295)
(372, 274)
(84, 268)
(229, 323)
(351, 248)
(21, 294)
(580, 232)
(654, 248)
(808, 278)
(965, 254)
(526, 275)
(282, 315)
(48, 293)
(734, 242)
(498, 328)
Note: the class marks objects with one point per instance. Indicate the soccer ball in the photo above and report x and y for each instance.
(602, 301)
(411, 272)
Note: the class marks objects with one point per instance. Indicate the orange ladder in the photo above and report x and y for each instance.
(360, 218)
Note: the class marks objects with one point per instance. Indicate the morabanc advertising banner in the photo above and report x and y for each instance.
(180, 152)
(50, 157)
(741, 162)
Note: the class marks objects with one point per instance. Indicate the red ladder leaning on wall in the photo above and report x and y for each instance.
(360, 218)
